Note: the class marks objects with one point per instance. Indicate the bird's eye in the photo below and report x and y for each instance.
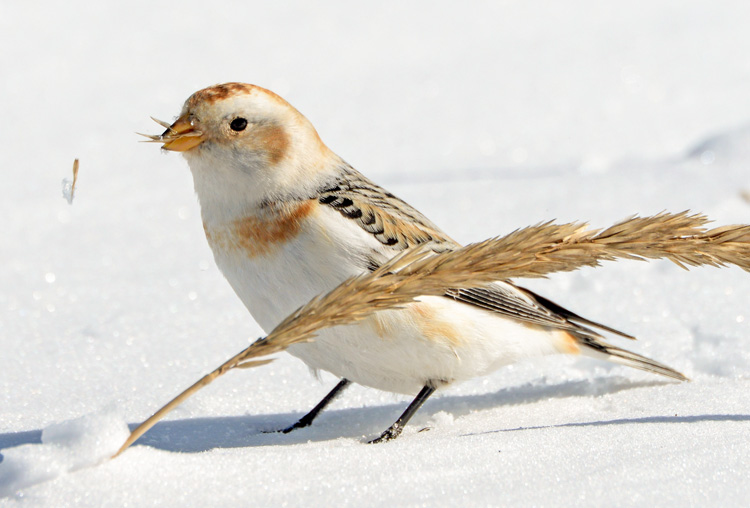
(238, 124)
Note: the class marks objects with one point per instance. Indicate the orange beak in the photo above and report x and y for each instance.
(181, 136)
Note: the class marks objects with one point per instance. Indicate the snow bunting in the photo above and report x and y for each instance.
(287, 219)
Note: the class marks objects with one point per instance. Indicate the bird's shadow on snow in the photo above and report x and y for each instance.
(12, 439)
(201, 434)
(365, 423)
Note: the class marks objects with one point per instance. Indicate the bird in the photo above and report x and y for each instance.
(287, 219)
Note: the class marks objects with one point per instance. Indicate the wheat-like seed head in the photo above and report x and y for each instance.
(529, 252)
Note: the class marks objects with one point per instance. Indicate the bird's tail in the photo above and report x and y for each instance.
(597, 348)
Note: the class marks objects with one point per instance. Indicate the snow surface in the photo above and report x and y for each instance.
(487, 116)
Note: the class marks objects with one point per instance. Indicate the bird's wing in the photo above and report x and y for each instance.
(392, 222)
(519, 303)
(398, 226)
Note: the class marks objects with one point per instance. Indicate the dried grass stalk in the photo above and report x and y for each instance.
(529, 252)
(68, 187)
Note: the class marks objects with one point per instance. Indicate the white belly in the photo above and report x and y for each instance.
(402, 351)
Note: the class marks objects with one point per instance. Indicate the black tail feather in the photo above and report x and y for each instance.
(572, 316)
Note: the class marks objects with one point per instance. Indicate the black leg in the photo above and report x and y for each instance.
(309, 417)
(394, 430)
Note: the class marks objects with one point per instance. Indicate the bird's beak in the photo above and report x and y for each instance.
(181, 136)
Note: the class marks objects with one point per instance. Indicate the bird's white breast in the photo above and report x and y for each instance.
(277, 264)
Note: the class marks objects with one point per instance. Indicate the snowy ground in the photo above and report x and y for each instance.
(487, 118)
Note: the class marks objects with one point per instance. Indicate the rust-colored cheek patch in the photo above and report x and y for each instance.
(263, 234)
(272, 140)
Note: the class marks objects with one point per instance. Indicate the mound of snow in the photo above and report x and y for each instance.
(66, 447)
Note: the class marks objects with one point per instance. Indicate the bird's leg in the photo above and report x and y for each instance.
(309, 417)
(394, 430)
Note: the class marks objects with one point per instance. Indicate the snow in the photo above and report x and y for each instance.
(487, 117)
(66, 447)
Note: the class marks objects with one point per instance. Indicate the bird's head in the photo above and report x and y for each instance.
(238, 135)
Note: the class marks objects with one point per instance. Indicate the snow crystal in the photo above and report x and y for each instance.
(67, 190)
(441, 419)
